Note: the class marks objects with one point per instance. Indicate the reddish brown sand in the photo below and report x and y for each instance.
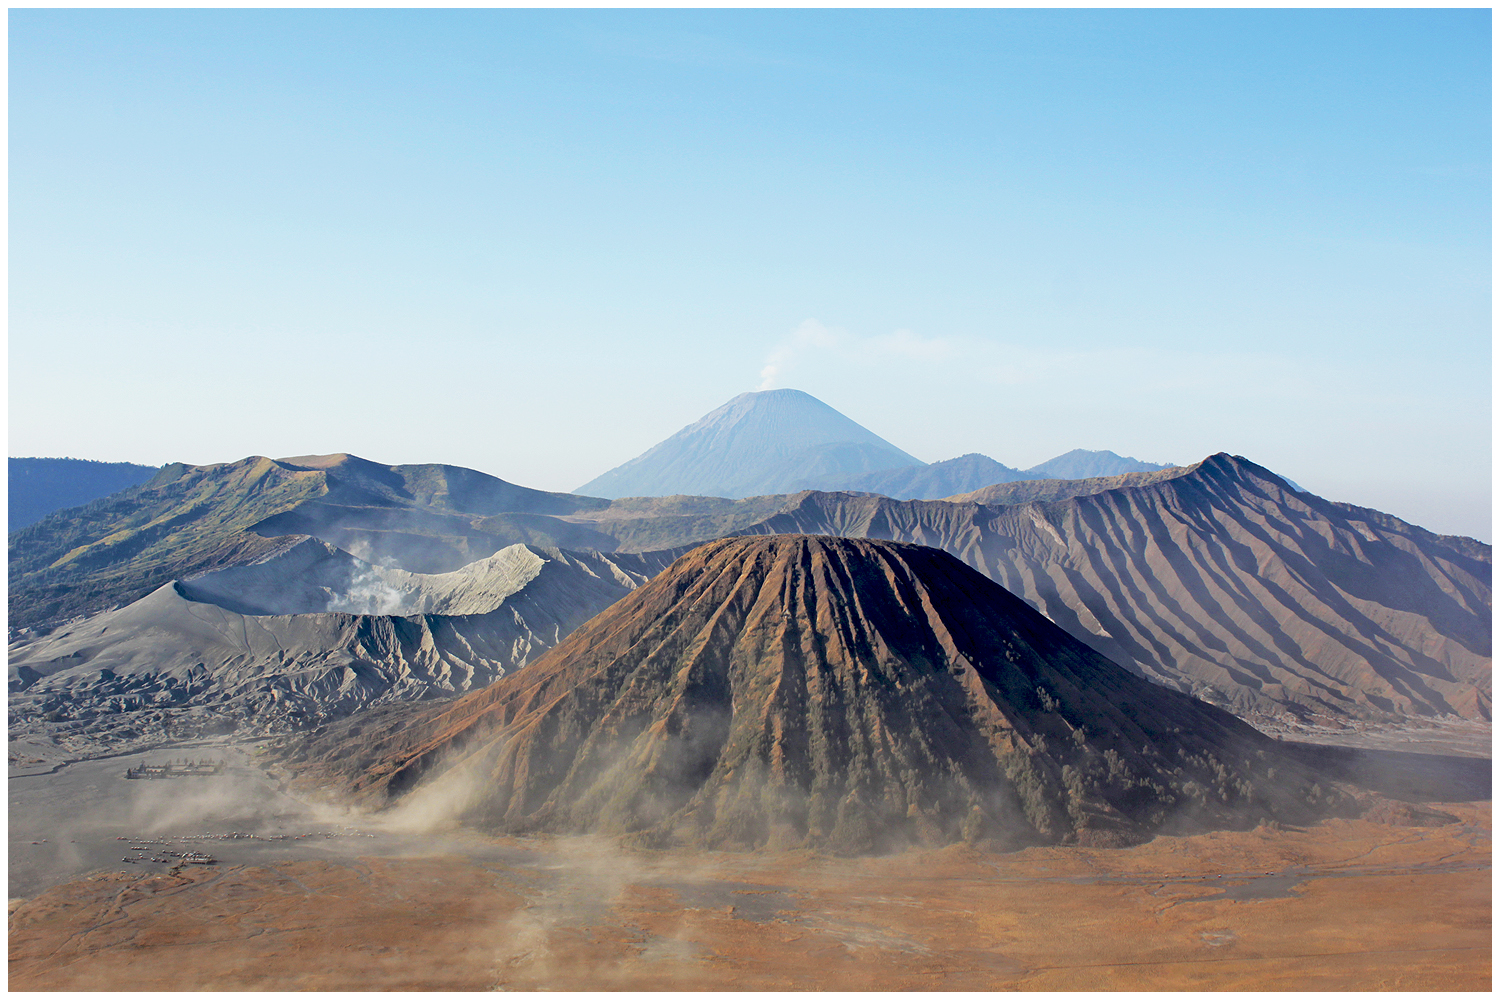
(1363, 906)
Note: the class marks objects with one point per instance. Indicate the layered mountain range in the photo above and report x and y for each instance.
(1219, 579)
(841, 695)
(190, 520)
(783, 440)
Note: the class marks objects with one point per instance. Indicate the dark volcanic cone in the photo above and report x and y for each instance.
(848, 695)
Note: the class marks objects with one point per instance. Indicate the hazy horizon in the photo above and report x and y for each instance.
(536, 243)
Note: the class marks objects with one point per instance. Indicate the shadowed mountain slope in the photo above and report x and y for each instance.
(1225, 582)
(39, 486)
(852, 696)
(756, 444)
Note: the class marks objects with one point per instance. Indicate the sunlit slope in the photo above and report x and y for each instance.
(813, 692)
(1226, 582)
(756, 444)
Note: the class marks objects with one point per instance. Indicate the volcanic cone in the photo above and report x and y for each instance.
(846, 695)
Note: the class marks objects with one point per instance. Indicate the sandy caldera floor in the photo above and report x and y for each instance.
(1348, 904)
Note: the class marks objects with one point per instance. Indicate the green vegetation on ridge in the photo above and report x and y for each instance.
(189, 520)
(185, 520)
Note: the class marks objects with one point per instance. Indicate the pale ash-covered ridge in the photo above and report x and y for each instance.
(1225, 582)
(313, 576)
(757, 444)
(165, 662)
(284, 644)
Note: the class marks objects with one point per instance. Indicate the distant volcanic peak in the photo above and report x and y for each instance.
(927, 482)
(823, 422)
(1083, 464)
(782, 419)
(1223, 461)
(975, 458)
(1238, 465)
(1232, 467)
(1235, 472)
(848, 694)
(757, 444)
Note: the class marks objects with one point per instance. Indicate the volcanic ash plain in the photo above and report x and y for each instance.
(1346, 904)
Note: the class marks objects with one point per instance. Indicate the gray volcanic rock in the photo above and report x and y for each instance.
(39, 486)
(928, 482)
(851, 696)
(1081, 464)
(294, 640)
(1223, 581)
(759, 443)
(313, 577)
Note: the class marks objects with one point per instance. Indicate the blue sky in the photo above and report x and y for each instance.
(537, 242)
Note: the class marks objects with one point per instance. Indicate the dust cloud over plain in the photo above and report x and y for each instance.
(82, 817)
